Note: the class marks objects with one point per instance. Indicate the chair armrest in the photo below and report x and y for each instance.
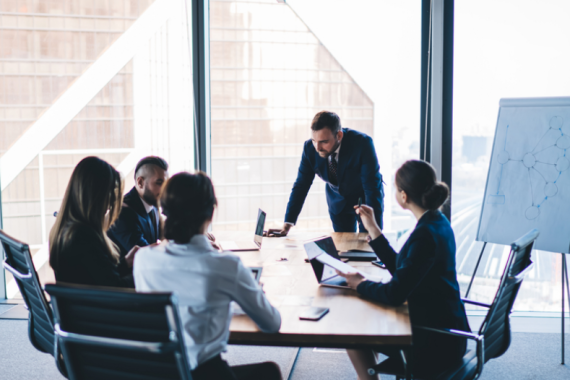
(15, 273)
(521, 275)
(479, 339)
(458, 333)
(465, 300)
(155, 347)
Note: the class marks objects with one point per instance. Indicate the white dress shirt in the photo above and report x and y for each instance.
(337, 151)
(205, 283)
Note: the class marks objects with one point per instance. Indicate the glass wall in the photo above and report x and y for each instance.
(275, 65)
(86, 78)
(502, 50)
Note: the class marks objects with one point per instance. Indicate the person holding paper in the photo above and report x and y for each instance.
(346, 160)
(423, 273)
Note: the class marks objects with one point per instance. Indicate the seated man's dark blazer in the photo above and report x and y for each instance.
(358, 177)
(133, 227)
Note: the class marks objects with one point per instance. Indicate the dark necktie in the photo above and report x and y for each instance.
(332, 170)
(153, 221)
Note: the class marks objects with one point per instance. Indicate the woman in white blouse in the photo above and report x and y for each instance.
(204, 281)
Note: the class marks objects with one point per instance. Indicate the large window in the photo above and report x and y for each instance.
(104, 78)
(275, 65)
(502, 49)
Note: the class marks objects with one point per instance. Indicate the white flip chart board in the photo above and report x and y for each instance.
(528, 184)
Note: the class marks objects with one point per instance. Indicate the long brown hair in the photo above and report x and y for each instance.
(94, 187)
(187, 200)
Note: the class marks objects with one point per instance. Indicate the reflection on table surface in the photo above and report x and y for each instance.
(291, 286)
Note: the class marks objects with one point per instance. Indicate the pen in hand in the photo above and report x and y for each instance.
(359, 204)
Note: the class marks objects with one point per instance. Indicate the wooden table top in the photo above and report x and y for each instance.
(349, 241)
(291, 286)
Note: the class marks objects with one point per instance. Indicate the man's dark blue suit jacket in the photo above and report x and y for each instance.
(358, 176)
(424, 274)
(133, 227)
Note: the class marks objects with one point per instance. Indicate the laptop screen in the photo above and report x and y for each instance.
(314, 249)
(258, 237)
(260, 223)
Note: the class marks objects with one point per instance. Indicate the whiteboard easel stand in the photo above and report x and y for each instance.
(564, 279)
(524, 116)
(475, 270)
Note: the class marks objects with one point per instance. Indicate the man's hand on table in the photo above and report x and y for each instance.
(352, 279)
(276, 232)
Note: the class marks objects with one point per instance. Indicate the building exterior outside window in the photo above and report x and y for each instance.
(270, 76)
(141, 100)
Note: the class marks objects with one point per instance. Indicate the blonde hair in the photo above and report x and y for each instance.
(93, 198)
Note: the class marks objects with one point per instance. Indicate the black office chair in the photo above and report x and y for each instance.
(40, 318)
(117, 334)
(494, 335)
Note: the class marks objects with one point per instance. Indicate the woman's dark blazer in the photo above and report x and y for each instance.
(85, 260)
(424, 274)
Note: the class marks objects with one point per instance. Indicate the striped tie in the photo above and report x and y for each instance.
(332, 170)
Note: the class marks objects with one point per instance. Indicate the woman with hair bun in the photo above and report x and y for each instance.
(205, 281)
(423, 273)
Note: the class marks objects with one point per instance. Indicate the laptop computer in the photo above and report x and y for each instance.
(326, 275)
(251, 245)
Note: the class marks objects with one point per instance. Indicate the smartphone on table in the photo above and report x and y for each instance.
(379, 263)
(313, 313)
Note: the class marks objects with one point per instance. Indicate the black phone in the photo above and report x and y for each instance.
(313, 313)
(379, 263)
(343, 259)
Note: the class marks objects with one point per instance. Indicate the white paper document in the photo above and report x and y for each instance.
(336, 264)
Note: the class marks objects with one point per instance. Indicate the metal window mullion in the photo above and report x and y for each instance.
(2, 273)
(201, 80)
(437, 88)
(425, 81)
(436, 93)
(447, 96)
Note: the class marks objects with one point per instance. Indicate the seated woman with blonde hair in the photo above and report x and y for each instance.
(423, 274)
(80, 251)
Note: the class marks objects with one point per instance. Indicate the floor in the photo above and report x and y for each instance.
(532, 355)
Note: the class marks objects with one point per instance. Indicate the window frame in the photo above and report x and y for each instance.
(200, 48)
(436, 120)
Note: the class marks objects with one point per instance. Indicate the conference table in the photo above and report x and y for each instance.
(291, 286)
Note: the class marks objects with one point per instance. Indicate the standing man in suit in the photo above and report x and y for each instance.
(139, 221)
(346, 160)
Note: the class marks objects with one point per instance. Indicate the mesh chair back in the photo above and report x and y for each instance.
(118, 334)
(496, 326)
(19, 263)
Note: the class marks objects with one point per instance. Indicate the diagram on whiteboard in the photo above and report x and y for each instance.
(552, 155)
(528, 184)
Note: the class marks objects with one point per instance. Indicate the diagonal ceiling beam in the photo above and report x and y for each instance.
(82, 90)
